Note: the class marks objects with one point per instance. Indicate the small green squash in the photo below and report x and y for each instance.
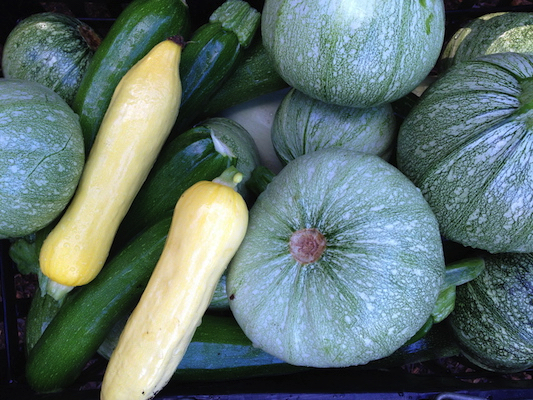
(467, 144)
(41, 156)
(303, 124)
(342, 262)
(491, 33)
(52, 49)
(353, 53)
(493, 315)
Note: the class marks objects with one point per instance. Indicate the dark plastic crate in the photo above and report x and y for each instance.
(441, 379)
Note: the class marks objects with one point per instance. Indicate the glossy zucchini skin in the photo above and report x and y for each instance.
(209, 58)
(220, 351)
(138, 28)
(187, 159)
(253, 76)
(89, 312)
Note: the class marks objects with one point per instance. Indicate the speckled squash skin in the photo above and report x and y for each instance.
(52, 49)
(493, 318)
(353, 53)
(341, 264)
(488, 34)
(41, 156)
(467, 146)
(303, 124)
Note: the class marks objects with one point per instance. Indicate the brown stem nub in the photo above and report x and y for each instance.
(307, 245)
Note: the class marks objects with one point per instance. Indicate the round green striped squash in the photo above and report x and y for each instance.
(493, 316)
(467, 145)
(303, 124)
(491, 33)
(52, 49)
(353, 53)
(41, 156)
(342, 262)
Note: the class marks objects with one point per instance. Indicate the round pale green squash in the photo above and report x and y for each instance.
(41, 156)
(342, 262)
(467, 145)
(491, 33)
(353, 53)
(493, 316)
(303, 124)
(52, 49)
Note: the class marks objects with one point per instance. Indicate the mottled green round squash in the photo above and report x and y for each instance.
(52, 49)
(303, 124)
(467, 145)
(493, 316)
(491, 33)
(41, 156)
(342, 262)
(353, 53)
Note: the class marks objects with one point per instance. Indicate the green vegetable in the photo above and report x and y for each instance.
(493, 319)
(473, 162)
(303, 124)
(253, 76)
(89, 312)
(52, 49)
(211, 56)
(334, 50)
(138, 28)
(201, 153)
(490, 33)
(41, 156)
(342, 262)
(219, 351)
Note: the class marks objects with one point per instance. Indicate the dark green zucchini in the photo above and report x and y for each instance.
(211, 56)
(254, 76)
(43, 309)
(221, 351)
(188, 158)
(89, 312)
(139, 27)
(200, 153)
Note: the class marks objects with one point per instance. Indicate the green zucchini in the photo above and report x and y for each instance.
(220, 350)
(200, 153)
(89, 312)
(139, 27)
(188, 158)
(254, 76)
(211, 56)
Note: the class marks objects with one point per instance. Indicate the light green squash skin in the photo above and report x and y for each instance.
(41, 156)
(493, 315)
(488, 34)
(353, 53)
(373, 287)
(303, 124)
(467, 145)
(52, 49)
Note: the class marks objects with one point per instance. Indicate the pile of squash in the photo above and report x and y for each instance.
(138, 186)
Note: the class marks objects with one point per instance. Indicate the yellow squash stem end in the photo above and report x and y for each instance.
(230, 177)
(57, 290)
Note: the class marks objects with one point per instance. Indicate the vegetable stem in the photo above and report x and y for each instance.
(230, 177)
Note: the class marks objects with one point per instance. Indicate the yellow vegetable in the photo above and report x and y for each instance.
(208, 225)
(142, 111)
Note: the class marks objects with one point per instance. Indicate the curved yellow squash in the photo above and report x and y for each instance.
(142, 111)
(209, 223)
